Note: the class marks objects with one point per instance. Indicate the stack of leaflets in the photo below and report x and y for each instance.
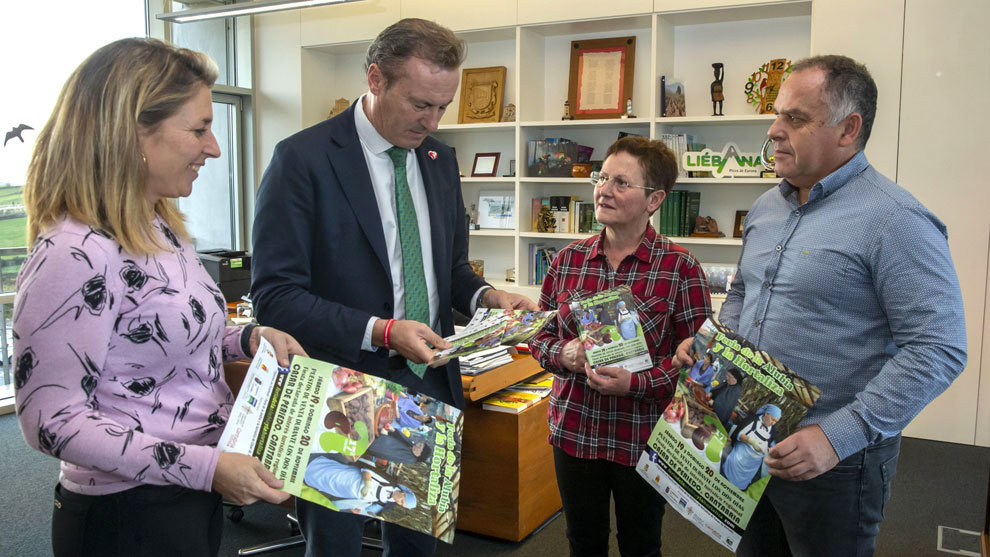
(486, 360)
(350, 442)
(511, 401)
(522, 395)
(490, 328)
(705, 456)
(609, 327)
(540, 384)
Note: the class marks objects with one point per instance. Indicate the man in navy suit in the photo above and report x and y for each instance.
(328, 252)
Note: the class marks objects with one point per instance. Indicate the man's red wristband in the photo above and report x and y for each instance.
(388, 328)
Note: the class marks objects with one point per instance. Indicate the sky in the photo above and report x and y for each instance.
(43, 42)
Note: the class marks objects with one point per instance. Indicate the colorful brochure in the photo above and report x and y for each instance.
(706, 455)
(609, 327)
(351, 442)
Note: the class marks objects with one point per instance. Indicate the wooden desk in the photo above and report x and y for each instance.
(508, 486)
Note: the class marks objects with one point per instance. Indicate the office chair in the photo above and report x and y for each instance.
(296, 539)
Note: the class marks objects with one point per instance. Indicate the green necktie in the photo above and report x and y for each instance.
(416, 299)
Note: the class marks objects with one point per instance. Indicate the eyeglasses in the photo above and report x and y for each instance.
(599, 179)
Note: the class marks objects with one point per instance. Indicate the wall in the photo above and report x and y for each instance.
(927, 59)
(942, 141)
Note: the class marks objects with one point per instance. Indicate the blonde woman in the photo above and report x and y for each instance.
(119, 332)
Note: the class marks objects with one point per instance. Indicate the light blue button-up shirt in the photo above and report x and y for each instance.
(854, 290)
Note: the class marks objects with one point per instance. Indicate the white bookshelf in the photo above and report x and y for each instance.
(680, 43)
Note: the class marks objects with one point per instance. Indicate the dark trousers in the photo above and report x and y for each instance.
(585, 489)
(836, 513)
(147, 520)
(333, 533)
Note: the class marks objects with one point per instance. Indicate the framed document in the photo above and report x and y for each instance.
(737, 228)
(496, 209)
(482, 93)
(485, 165)
(601, 77)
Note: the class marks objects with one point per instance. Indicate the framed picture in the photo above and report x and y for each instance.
(485, 165)
(601, 77)
(672, 97)
(482, 93)
(737, 229)
(496, 209)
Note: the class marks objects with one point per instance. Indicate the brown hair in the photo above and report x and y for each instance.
(657, 161)
(412, 37)
(87, 161)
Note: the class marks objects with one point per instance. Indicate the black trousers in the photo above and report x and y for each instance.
(586, 486)
(332, 533)
(147, 520)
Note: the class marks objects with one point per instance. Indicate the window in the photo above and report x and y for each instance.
(212, 210)
(58, 43)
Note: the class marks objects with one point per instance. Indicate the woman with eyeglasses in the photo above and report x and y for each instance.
(600, 419)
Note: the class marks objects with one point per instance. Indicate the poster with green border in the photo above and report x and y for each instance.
(350, 441)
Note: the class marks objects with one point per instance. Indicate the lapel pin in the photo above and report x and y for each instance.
(432, 154)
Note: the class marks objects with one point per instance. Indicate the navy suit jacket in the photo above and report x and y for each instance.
(320, 268)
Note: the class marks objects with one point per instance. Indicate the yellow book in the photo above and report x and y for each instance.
(510, 401)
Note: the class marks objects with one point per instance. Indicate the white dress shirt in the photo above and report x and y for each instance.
(382, 173)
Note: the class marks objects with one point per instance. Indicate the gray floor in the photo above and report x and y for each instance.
(936, 484)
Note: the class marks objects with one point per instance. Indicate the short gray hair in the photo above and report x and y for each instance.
(413, 37)
(848, 88)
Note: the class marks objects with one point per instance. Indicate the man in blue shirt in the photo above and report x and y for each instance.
(847, 279)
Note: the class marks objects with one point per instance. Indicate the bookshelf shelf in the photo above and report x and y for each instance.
(728, 120)
(689, 240)
(602, 123)
(490, 180)
(729, 182)
(493, 232)
(488, 126)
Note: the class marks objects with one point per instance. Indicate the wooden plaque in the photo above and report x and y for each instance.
(482, 93)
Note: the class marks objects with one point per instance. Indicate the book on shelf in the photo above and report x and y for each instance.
(608, 325)
(536, 206)
(560, 206)
(693, 210)
(586, 217)
(511, 401)
(329, 432)
(540, 384)
(539, 261)
(678, 213)
(678, 144)
(672, 98)
(491, 328)
(705, 455)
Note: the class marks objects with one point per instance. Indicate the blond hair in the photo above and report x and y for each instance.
(87, 162)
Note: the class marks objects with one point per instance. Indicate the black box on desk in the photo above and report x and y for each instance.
(230, 269)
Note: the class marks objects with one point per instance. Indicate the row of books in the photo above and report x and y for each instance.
(516, 398)
(681, 143)
(540, 257)
(569, 214)
(678, 213)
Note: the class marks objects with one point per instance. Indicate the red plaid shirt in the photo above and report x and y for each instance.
(672, 299)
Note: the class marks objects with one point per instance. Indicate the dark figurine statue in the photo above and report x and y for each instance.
(717, 96)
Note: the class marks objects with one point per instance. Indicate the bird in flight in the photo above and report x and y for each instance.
(16, 132)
